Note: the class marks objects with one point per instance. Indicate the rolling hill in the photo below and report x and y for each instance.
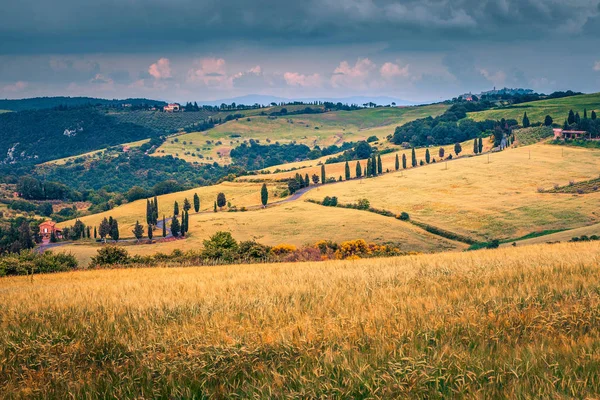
(558, 109)
(311, 129)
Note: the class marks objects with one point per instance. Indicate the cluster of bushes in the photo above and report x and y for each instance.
(44, 208)
(222, 248)
(359, 151)
(585, 238)
(583, 187)
(29, 262)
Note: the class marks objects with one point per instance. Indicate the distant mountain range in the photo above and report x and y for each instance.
(266, 100)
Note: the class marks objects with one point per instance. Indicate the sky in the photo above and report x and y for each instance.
(194, 50)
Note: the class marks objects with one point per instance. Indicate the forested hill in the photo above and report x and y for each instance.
(37, 136)
(39, 103)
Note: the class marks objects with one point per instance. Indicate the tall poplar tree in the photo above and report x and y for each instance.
(414, 158)
(358, 170)
(323, 176)
(347, 170)
(397, 162)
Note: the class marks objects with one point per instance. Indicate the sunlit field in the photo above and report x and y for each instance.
(508, 323)
(310, 129)
(388, 162)
(297, 223)
(485, 199)
(558, 109)
(239, 194)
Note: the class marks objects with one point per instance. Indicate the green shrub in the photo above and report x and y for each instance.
(29, 261)
(110, 255)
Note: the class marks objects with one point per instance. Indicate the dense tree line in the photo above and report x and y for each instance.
(38, 103)
(36, 136)
(253, 155)
(450, 127)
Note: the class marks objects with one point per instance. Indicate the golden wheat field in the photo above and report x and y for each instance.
(507, 323)
(487, 198)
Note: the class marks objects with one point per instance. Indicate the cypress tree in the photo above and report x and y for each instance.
(347, 170)
(155, 219)
(480, 145)
(150, 232)
(215, 209)
(397, 162)
(306, 181)
(548, 120)
(138, 230)
(379, 165)
(114, 230)
(95, 233)
(88, 232)
(186, 205)
(457, 148)
(368, 168)
(577, 118)
(176, 208)
(526, 123)
(196, 202)
(441, 152)
(358, 170)
(164, 227)
(403, 161)
(414, 158)
(187, 222)
(175, 226)
(571, 118)
(323, 176)
(427, 156)
(148, 212)
(585, 113)
(264, 195)
(373, 165)
(475, 147)
(594, 116)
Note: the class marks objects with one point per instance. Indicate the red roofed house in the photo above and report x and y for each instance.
(173, 107)
(49, 227)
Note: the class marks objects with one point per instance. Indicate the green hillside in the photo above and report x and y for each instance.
(42, 135)
(558, 109)
(321, 129)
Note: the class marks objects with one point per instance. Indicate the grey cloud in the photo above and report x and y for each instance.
(113, 26)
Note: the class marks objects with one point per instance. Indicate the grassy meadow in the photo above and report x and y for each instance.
(297, 223)
(509, 323)
(310, 129)
(558, 109)
(486, 200)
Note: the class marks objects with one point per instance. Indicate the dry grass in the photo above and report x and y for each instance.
(484, 200)
(239, 194)
(507, 323)
(296, 223)
(388, 162)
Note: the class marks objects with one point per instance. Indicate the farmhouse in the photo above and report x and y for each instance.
(172, 107)
(569, 135)
(49, 227)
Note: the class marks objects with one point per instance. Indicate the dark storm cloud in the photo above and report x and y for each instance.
(75, 26)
